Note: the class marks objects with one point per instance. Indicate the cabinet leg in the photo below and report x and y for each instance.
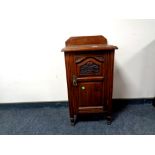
(109, 120)
(73, 120)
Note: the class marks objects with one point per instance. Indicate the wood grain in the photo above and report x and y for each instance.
(89, 61)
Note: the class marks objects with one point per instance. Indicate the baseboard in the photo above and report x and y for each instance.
(134, 101)
(65, 103)
(153, 102)
(34, 104)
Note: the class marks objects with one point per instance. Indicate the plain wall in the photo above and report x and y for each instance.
(134, 64)
(32, 34)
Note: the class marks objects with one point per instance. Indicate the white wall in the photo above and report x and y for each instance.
(32, 34)
(134, 63)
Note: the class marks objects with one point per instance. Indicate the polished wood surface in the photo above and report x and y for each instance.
(91, 47)
(86, 40)
(87, 43)
(89, 69)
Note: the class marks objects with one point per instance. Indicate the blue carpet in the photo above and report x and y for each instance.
(53, 119)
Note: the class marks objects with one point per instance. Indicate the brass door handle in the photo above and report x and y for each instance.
(74, 80)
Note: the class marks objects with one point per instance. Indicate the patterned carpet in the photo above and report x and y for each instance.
(53, 119)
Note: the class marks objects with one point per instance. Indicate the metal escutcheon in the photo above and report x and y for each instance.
(74, 80)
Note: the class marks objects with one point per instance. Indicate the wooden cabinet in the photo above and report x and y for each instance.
(89, 68)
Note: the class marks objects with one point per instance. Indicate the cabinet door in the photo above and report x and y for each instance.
(91, 96)
(89, 83)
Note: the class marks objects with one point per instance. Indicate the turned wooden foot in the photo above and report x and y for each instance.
(73, 120)
(109, 120)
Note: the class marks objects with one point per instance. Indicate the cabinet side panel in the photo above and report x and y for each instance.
(110, 80)
(70, 71)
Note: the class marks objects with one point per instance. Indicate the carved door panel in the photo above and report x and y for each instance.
(89, 65)
(89, 83)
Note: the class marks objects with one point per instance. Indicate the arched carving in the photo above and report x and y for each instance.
(79, 59)
(89, 68)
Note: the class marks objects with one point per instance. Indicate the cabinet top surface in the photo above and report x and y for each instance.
(91, 47)
(87, 43)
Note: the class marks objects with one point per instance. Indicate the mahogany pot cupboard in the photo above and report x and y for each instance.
(89, 64)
